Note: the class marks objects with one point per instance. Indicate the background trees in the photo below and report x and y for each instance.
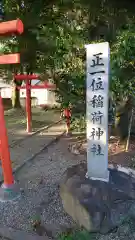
(55, 35)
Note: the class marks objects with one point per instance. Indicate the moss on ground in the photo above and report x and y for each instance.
(124, 232)
(77, 235)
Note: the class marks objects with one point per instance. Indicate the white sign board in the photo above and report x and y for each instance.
(97, 110)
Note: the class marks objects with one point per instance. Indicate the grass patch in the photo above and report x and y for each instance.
(77, 235)
(78, 123)
(16, 118)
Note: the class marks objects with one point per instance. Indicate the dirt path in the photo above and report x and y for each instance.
(117, 154)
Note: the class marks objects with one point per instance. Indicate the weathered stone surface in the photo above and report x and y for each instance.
(97, 205)
(14, 234)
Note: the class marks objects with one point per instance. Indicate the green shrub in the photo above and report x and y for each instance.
(78, 123)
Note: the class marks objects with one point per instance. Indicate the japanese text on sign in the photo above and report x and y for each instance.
(97, 101)
(97, 109)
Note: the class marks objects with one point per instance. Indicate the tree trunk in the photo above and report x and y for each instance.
(16, 97)
(124, 118)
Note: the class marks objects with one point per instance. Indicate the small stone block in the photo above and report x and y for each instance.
(9, 193)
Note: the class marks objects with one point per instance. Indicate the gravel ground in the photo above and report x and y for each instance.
(40, 199)
(32, 145)
(124, 232)
(40, 180)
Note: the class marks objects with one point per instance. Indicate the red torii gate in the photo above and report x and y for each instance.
(27, 78)
(9, 189)
(7, 29)
(10, 58)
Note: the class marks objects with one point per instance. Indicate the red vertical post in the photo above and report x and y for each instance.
(28, 105)
(9, 190)
(4, 150)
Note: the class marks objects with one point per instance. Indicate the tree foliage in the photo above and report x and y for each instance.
(123, 63)
(54, 38)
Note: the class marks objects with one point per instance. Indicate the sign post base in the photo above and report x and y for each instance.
(9, 192)
(99, 179)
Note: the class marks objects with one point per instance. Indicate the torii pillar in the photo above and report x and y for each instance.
(9, 189)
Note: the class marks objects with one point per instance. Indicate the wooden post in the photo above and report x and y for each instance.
(28, 88)
(9, 190)
(4, 153)
(97, 110)
(28, 106)
(129, 130)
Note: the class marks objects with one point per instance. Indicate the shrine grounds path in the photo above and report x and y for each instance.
(24, 146)
(40, 199)
(16, 121)
(40, 180)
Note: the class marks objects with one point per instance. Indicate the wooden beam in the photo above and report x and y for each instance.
(11, 27)
(26, 77)
(45, 86)
(10, 58)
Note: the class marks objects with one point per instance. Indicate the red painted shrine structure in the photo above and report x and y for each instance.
(8, 189)
(27, 78)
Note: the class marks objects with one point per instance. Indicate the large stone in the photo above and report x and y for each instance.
(96, 205)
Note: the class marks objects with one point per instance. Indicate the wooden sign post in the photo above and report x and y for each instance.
(97, 110)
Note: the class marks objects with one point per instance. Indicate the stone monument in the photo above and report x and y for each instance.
(101, 199)
(98, 59)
